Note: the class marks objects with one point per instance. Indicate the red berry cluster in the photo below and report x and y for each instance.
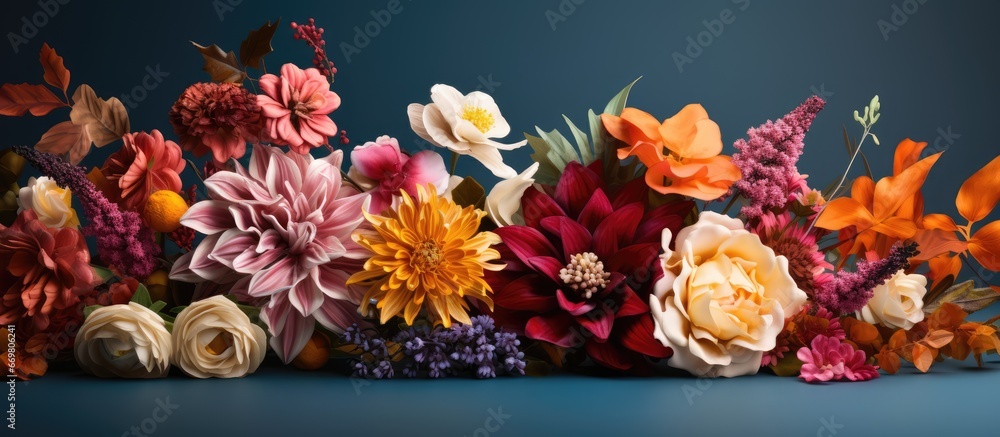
(313, 36)
(343, 138)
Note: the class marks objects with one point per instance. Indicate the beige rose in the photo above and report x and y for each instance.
(213, 338)
(899, 303)
(723, 298)
(52, 203)
(125, 341)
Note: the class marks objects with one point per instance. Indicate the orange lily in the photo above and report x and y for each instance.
(682, 154)
(877, 215)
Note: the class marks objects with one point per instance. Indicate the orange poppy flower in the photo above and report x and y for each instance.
(682, 154)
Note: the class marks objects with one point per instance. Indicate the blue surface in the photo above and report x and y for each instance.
(935, 73)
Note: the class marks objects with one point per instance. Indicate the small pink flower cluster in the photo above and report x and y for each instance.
(827, 359)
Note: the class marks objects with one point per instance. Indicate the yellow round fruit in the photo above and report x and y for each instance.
(315, 354)
(164, 209)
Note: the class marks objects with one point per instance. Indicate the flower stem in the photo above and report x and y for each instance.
(843, 178)
(454, 162)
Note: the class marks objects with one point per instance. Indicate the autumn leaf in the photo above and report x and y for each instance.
(947, 316)
(469, 193)
(257, 45)
(980, 192)
(16, 100)
(221, 66)
(66, 138)
(966, 296)
(105, 120)
(923, 357)
(888, 360)
(56, 73)
(938, 339)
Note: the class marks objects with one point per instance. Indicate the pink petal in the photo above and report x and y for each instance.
(378, 161)
(209, 217)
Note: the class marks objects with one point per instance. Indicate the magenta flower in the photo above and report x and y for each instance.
(850, 291)
(281, 232)
(829, 360)
(295, 106)
(768, 157)
(382, 169)
(806, 263)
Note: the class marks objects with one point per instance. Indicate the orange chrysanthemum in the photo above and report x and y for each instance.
(682, 154)
(427, 254)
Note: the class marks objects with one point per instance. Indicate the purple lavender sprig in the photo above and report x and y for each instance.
(851, 291)
(123, 241)
(768, 157)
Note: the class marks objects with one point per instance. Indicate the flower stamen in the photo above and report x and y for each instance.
(585, 274)
(479, 117)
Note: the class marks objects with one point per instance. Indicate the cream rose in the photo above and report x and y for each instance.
(723, 298)
(213, 338)
(52, 203)
(126, 341)
(899, 303)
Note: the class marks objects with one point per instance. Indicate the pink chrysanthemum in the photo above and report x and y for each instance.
(801, 329)
(281, 232)
(767, 159)
(296, 108)
(216, 117)
(827, 359)
(806, 263)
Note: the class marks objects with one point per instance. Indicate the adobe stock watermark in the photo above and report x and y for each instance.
(223, 7)
(562, 12)
(10, 365)
(363, 35)
(153, 78)
(944, 140)
(692, 391)
(163, 410)
(828, 427)
(714, 29)
(900, 15)
(494, 421)
(30, 26)
(821, 91)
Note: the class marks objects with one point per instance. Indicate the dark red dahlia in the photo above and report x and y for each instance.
(579, 273)
(216, 117)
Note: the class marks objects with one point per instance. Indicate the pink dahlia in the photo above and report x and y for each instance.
(786, 237)
(382, 169)
(581, 270)
(45, 270)
(145, 163)
(827, 359)
(296, 108)
(281, 232)
(216, 117)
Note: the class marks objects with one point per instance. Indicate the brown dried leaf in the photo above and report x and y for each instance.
(106, 120)
(888, 360)
(56, 73)
(898, 339)
(221, 66)
(16, 100)
(966, 296)
(923, 357)
(257, 44)
(938, 339)
(947, 316)
(66, 138)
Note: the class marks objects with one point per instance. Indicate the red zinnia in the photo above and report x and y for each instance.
(580, 271)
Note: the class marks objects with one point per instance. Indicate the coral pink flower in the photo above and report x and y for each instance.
(382, 169)
(145, 163)
(44, 270)
(806, 263)
(281, 232)
(296, 107)
(829, 360)
(216, 117)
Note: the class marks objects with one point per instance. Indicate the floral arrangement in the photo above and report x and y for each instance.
(632, 245)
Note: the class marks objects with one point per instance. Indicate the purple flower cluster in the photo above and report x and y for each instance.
(850, 291)
(123, 241)
(478, 348)
(768, 157)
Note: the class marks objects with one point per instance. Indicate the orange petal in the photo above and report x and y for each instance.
(907, 154)
(980, 193)
(985, 246)
(863, 190)
(642, 120)
(943, 266)
(934, 242)
(843, 212)
(634, 131)
(940, 221)
(896, 227)
(691, 134)
(891, 192)
(706, 179)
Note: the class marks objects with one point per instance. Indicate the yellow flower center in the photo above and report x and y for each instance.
(585, 274)
(479, 117)
(220, 343)
(426, 256)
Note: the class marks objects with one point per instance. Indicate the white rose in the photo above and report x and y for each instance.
(126, 341)
(52, 203)
(504, 200)
(899, 303)
(213, 338)
(464, 124)
(723, 298)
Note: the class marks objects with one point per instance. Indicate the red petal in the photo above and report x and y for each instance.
(548, 266)
(574, 308)
(597, 209)
(575, 187)
(573, 237)
(634, 191)
(617, 230)
(636, 333)
(632, 305)
(556, 329)
(636, 261)
(608, 355)
(524, 294)
(536, 205)
(526, 242)
(599, 322)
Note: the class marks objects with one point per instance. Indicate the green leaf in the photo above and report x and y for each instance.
(169, 326)
(157, 306)
(789, 365)
(868, 168)
(582, 143)
(617, 104)
(141, 296)
(258, 44)
(469, 193)
(966, 296)
(177, 310)
(848, 143)
(90, 309)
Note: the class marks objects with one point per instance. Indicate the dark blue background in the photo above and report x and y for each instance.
(935, 72)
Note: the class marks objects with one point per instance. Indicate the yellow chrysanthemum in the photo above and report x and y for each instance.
(426, 254)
